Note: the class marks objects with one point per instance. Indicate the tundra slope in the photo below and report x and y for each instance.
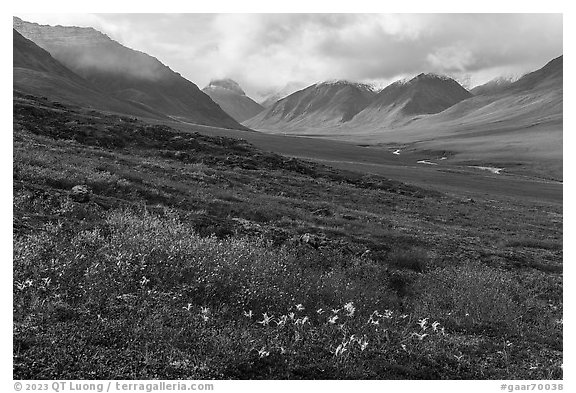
(35, 71)
(125, 73)
(200, 257)
(322, 105)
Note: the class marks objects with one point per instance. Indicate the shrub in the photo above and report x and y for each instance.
(470, 295)
(414, 259)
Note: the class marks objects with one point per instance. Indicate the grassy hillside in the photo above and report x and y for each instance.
(189, 256)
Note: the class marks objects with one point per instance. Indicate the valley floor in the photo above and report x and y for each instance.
(198, 256)
(461, 175)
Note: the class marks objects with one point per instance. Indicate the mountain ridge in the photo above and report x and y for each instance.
(321, 104)
(36, 72)
(126, 73)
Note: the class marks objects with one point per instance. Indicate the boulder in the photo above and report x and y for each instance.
(80, 193)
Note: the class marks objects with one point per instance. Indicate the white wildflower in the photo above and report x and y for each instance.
(266, 319)
(333, 319)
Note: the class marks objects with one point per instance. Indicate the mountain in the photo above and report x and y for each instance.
(493, 86)
(270, 98)
(230, 96)
(402, 101)
(518, 126)
(36, 72)
(548, 77)
(534, 98)
(320, 105)
(125, 73)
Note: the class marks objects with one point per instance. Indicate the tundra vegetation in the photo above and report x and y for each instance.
(181, 255)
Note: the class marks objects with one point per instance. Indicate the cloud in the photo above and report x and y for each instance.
(264, 51)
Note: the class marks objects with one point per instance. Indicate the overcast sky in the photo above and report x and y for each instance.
(264, 52)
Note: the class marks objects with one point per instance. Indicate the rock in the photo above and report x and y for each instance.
(314, 241)
(80, 193)
(365, 254)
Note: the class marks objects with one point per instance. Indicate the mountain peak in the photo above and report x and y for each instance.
(343, 82)
(431, 76)
(227, 84)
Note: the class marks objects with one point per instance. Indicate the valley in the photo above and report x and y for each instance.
(327, 230)
(516, 181)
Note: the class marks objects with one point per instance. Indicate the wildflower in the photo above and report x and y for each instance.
(266, 320)
(299, 307)
(372, 320)
(282, 320)
(144, 281)
(47, 280)
(188, 307)
(422, 322)
(282, 350)
(248, 314)
(420, 336)
(305, 320)
(336, 310)
(387, 314)
(349, 307)
(262, 352)
(204, 313)
(442, 331)
(340, 349)
(319, 311)
(435, 325)
(404, 347)
(363, 343)
(404, 316)
(458, 357)
(333, 319)
(21, 285)
(292, 315)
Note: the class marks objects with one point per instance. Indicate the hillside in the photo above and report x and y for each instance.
(533, 99)
(402, 101)
(35, 71)
(321, 105)
(125, 73)
(518, 127)
(144, 252)
(232, 99)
